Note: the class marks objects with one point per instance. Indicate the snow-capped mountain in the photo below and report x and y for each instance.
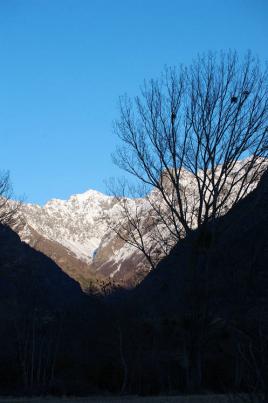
(76, 223)
(78, 233)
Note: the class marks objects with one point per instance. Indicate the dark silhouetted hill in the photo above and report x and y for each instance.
(28, 276)
(199, 321)
(236, 271)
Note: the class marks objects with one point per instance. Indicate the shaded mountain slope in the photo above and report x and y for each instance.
(28, 274)
(78, 269)
(194, 323)
(236, 262)
(47, 323)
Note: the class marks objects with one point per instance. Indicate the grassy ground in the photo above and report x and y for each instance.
(131, 399)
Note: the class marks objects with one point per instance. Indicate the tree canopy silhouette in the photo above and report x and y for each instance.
(198, 135)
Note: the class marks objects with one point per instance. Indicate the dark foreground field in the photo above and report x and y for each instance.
(133, 399)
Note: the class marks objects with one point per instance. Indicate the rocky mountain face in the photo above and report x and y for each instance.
(76, 234)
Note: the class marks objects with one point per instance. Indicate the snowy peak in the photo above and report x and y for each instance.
(75, 223)
(89, 194)
(80, 198)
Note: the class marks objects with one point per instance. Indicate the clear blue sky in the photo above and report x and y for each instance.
(63, 64)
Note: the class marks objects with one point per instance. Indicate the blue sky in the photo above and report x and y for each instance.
(64, 63)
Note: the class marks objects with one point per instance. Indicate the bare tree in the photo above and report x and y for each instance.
(131, 227)
(37, 340)
(198, 137)
(8, 208)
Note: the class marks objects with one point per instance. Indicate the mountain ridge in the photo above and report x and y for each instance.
(78, 234)
(71, 232)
